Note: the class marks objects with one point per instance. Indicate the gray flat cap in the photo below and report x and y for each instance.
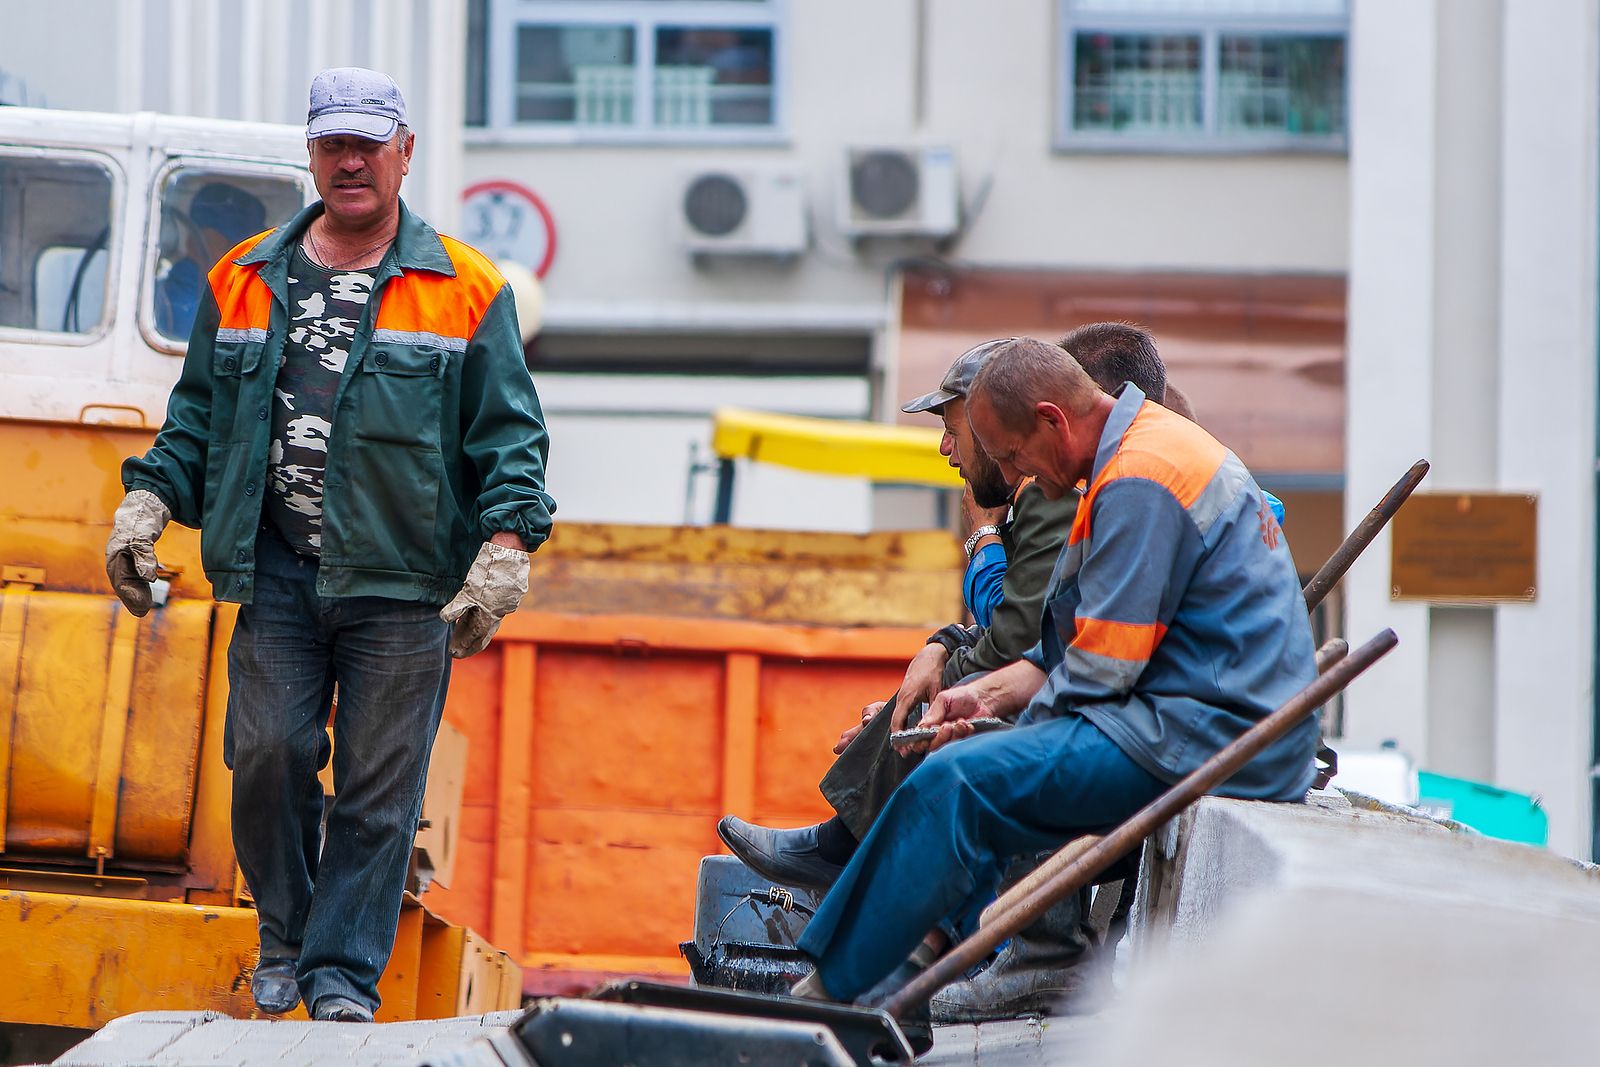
(958, 379)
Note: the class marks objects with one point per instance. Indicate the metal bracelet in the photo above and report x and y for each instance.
(987, 530)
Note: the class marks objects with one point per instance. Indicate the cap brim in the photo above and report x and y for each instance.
(928, 401)
(351, 124)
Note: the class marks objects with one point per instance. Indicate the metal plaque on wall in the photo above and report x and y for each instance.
(1470, 547)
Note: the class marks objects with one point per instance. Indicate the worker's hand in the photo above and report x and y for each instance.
(495, 585)
(131, 550)
(849, 735)
(923, 680)
(972, 516)
(949, 712)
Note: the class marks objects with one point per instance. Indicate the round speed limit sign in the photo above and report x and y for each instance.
(504, 220)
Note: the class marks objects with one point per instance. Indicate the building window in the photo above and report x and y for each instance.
(1203, 75)
(635, 69)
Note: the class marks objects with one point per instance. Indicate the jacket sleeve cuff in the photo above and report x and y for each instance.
(953, 637)
(530, 522)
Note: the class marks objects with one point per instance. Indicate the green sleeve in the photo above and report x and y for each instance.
(175, 467)
(1039, 527)
(502, 429)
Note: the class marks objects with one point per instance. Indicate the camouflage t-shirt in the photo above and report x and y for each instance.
(325, 307)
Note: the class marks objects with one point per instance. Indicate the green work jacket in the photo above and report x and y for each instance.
(438, 440)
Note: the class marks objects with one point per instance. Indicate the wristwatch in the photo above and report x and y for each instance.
(987, 530)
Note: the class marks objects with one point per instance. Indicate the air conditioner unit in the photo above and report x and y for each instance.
(743, 211)
(910, 192)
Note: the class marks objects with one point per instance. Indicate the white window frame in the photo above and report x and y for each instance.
(507, 16)
(1210, 28)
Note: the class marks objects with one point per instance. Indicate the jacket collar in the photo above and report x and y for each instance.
(416, 245)
(1126, 409)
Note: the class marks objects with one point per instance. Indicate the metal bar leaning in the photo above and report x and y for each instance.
(1325, 579)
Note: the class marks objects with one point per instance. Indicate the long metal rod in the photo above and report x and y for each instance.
(1332, 651)
(1328, 577)
(1146, 821)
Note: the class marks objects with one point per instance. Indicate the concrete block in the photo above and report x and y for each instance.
(1275, 933)
(135, 1038)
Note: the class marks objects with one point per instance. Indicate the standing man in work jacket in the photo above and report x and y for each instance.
(356, 435)
(1174, 622)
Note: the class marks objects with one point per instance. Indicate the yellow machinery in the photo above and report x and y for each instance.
(907, 455)
(119, 890)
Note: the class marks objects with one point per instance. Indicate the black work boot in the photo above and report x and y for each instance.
(788, 857)
(1043, 967)
(916, 1023)
(273, 987)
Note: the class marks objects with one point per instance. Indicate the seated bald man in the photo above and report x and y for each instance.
(1174, 623)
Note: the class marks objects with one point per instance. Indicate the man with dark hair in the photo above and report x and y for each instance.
(1138, 678)
(1117, 352)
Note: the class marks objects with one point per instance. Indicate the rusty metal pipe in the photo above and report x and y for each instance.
(1332, 651)
(1021, 910)
(1325, 579)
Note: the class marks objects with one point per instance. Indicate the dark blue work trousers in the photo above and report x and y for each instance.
(936, 853)
(332, 904)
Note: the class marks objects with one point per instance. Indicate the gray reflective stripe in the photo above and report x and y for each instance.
(1116, 675)
(403, 337)
(1217, 498)
(254, 335)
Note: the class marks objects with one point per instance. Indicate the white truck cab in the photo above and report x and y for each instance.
(108, 225)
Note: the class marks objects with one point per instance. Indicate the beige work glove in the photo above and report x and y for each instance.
(494, 587)
(131, 551)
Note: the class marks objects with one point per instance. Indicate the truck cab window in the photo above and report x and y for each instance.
(204, 212)
(55, 236)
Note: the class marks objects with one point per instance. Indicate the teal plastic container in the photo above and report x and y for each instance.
(1491, 811)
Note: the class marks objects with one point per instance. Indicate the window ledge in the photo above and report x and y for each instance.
(514, 136)
(1176, 146)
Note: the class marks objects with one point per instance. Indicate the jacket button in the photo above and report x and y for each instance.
(383, 359)
(250, 489)
(240, 556)
(269, 335)
(229, 363)
(433, 364)
(262, 414)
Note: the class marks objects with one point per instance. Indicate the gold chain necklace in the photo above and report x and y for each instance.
(322, 258)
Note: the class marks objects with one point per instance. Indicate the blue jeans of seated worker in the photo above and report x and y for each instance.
(331, 904)
(937, 851)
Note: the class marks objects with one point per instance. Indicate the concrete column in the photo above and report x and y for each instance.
(1465, 310)
(1393, 90)
(1544, 652)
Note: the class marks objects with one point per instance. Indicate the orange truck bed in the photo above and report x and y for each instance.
(656, 678)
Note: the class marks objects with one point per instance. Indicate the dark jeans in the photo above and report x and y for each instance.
(332, 904)
(938, 849)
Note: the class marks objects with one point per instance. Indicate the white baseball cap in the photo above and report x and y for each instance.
(354, 101)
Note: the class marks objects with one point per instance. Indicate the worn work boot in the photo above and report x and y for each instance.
(1044, 970)
(788, 857)
(336, 1009)
(273, 987)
